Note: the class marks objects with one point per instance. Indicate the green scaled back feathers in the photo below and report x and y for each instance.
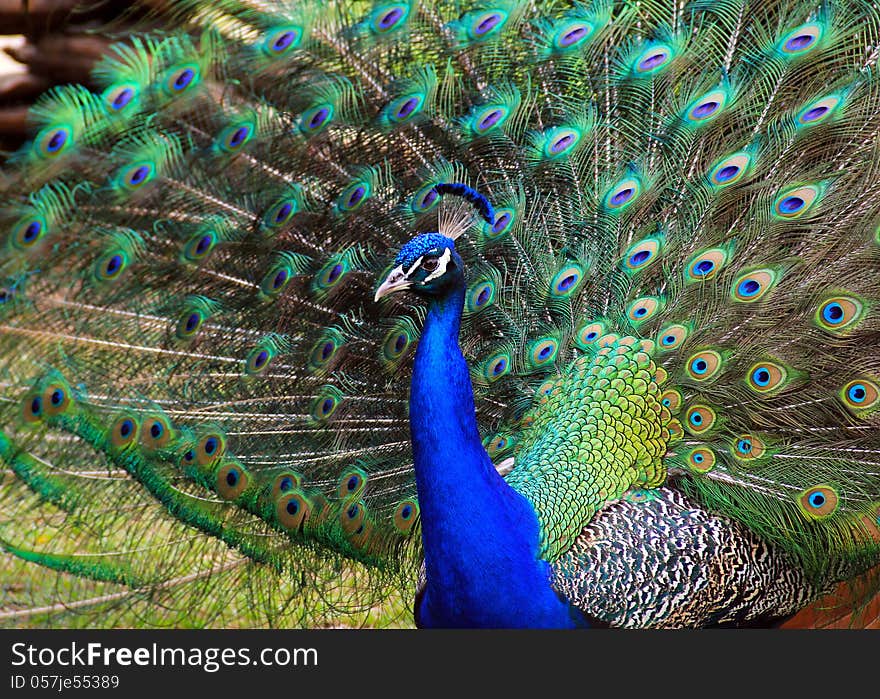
(204, 415)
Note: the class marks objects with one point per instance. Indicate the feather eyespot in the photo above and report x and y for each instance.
(324, 406)
(425, 199)
(794, 203)
(276, 280)
(589, 334)
(353, 197)
(545, 389)
(639, 495)
(860, 395)
(199, 246)
(543, 352)
(801, 40)
(643, 309)
(405, 108)
(53, 141)
(285, 483)
(352, 516)
(28, 232)
(231, 481)
(622, 195)
(701, 459)
(818, 502)
(504, 220)
(405, 515)
(258, 359)
(188, 458)
(643, 254)
(292, 509)
(111, 266)
(730, 170)
(838, 313)
(210, 448)
(572, 35)
(499, 444)
(671, 400)
(707, 107)
(396, 343)
(280, 213)
(481, 296)
(323, 352)
(818, 111)
(31, 409)
(351, 483)
(489, 118)
(281, 40)
(704, 365)
(748, 447)
(189, 324)
(567, 280)
(560, 141)
(485, 24)
(752, 286)
(766, 377)
(497, 366)
(813, 114)
(700, 419)
(235, 137)
(331, 274)
(155, 432)
(126, 428)
(706, 265)
(671, 337)
(704, 110)
(135, 176)
(388, 18)
(55, 399)
(653, 59)
(124, 431)
(118, 97)
(316, 119)
(179, 80)
(138, 176)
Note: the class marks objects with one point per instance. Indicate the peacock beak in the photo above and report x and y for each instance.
(395, 281)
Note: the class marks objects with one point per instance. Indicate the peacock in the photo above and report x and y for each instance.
(471, 313)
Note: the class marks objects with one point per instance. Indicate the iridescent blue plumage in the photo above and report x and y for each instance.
(421, 245)
(490, 575)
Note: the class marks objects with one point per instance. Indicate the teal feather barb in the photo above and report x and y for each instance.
(671, 312)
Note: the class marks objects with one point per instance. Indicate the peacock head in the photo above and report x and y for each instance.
(428, 265)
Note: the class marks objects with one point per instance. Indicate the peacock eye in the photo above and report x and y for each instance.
(429, 264)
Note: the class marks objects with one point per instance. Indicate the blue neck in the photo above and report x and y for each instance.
(480, 536)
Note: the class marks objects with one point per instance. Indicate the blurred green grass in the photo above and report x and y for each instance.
(190, 580)
(33, 597)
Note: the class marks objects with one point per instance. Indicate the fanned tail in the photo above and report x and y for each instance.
(200, 394)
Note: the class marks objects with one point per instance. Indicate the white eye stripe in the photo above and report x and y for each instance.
(441, 266)
(415, 266)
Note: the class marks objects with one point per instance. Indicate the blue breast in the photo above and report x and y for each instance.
(480, 536)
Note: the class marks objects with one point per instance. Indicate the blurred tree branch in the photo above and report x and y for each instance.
(62, 40)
